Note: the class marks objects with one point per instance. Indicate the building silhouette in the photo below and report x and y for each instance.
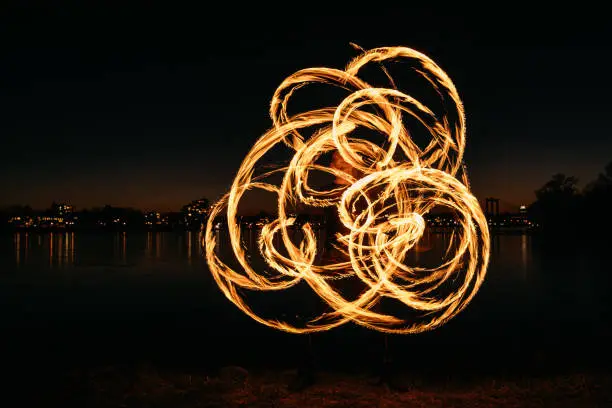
(491, 208)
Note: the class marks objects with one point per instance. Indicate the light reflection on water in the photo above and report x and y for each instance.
(175, 250)
(119, 296)
(72, 249)
(168, 255)
(520, 276)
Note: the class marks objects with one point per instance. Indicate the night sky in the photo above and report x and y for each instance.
(153, 107)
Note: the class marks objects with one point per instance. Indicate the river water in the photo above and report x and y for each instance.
(110, 297)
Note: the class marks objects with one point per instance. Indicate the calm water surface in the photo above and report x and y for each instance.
(98, 294)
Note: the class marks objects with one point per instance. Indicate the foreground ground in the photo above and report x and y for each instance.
(145, 386)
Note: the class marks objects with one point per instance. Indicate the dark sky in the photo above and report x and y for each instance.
(153, 106)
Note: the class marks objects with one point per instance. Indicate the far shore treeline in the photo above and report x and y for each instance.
(560, 210)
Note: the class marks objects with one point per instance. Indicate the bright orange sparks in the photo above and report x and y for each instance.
(399, 183)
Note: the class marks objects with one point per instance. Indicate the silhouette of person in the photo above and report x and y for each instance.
(350, 288)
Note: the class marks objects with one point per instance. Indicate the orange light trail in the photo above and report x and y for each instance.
(399, 183)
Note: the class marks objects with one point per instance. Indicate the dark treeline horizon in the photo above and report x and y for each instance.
(595, 194)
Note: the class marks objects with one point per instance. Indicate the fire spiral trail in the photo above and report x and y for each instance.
(399, 183)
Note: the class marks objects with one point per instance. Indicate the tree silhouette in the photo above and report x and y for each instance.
(598, 201)
(204, 202)
(566, 213)
(559, 187)
(557, 204)
(20, 210)
(603, 182)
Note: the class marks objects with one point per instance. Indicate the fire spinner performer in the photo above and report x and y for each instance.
(385, 191)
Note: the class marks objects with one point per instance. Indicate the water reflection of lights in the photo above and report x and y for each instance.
(58, 247)
(158, 244)
(120, 246)
(60, 250)
(525, 240)
(154, 244)
(149, 245)
(194, 250)
(124, 248)
(17, 241)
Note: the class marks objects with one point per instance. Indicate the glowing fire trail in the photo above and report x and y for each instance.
(398, 193)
